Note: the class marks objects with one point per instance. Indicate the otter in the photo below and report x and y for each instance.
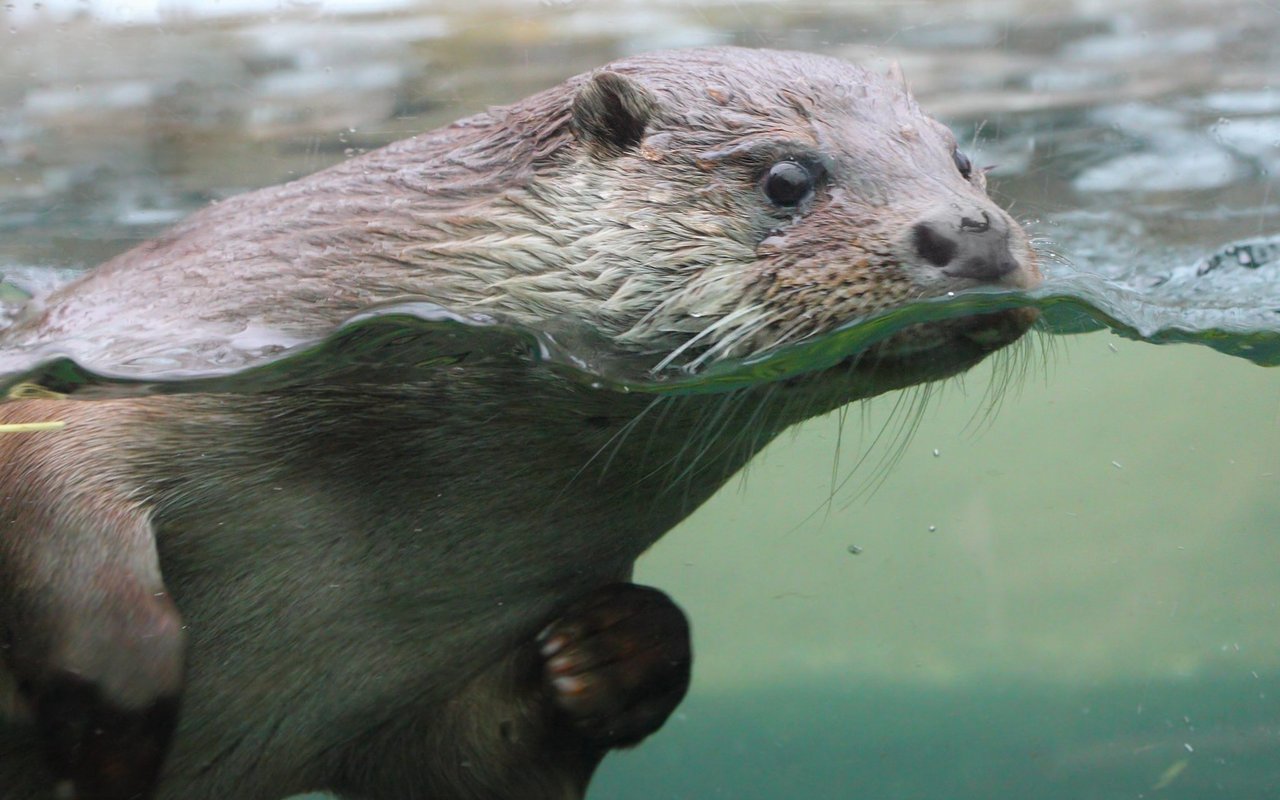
(390, 586)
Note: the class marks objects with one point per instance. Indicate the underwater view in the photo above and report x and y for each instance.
(1056, 575)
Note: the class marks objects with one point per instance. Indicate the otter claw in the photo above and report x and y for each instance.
(617, 663)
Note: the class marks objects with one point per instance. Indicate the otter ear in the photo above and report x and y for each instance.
(610, 113)
(896, 75)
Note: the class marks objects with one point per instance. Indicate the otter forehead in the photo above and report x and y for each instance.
(774, 87)
(772, 77)
(866, 124)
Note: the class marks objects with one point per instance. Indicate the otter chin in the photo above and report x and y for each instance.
(419, 586)
(940, 350)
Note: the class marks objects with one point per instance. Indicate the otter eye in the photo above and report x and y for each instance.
(788, 183)
(963, 164)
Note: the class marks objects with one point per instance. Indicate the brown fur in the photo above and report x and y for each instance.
(361, 567)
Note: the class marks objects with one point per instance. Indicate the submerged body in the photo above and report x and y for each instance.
(345, 580)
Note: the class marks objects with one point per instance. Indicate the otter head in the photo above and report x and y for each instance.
(724, 202)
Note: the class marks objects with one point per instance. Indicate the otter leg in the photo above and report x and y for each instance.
(94, 643)
(617, 663)
(605, 673)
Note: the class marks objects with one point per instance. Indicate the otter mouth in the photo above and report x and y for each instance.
(936, 350)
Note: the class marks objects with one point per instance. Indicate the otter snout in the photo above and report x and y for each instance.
(972, 243)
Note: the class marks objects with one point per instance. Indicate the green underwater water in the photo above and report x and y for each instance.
(1095, 605)
(978, 741)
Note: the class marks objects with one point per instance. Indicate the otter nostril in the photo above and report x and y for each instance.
(936, 248)
(974, 226)
(985, 268)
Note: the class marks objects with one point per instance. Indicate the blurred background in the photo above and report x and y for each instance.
(1059, 577)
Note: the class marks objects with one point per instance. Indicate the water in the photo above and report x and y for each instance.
(1073, 597)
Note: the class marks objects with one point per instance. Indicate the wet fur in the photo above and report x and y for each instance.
(361, 568)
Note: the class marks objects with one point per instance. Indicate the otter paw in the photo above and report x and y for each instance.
(616, 663)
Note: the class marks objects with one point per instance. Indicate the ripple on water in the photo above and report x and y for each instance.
(1191, 166)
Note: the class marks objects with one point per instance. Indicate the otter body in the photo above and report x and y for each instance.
(341, 585)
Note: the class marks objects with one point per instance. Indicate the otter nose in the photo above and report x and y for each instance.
(973, 245)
